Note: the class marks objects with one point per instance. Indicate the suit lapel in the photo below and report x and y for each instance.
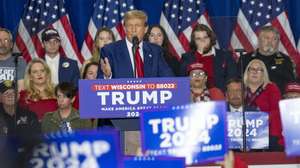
(148, 59)
(126, 58)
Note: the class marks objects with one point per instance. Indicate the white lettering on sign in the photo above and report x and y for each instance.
(135, 97)
(177, 131)
(67, 154)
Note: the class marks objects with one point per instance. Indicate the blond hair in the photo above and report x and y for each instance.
(32, 92)
(135, 14)
(96, 51)
(266, 78)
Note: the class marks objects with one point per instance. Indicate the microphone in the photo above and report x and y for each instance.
(241, 51)
(135, 45)
(135, 41)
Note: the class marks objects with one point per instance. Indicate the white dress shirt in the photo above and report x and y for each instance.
(232, 109)
(129, 47)
(53, 64)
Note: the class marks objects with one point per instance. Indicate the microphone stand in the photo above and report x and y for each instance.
(244, 127)
(16, 59)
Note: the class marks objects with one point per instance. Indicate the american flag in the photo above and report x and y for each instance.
(107, 13)
(178, 19)
(254, 14)
(38, 15)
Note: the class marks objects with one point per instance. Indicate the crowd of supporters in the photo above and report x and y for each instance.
(47, 88)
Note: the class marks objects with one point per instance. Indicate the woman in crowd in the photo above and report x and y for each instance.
(90, 72)
(264, 95)
(220, 64)
(38, 95)
(157, 35)
(103, 37)
(199, 90)
(65, 118)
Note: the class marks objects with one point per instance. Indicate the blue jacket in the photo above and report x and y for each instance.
(119, 59)
(68, 71)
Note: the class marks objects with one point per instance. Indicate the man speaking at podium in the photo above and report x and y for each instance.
(132, 58)
(122, 58)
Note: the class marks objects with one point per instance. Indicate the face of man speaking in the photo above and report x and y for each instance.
(135, 27)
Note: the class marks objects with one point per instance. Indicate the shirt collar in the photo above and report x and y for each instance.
(233, 109)
(52, 59)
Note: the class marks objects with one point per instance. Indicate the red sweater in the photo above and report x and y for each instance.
(39, 107)
(268, 101)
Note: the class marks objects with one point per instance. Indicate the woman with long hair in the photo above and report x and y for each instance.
(38, 95)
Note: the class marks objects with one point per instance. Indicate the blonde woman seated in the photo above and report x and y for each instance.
(199, 91)
(38, 95)
(65, 118)
(264, 95)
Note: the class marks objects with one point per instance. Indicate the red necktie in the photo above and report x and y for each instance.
(139, 64)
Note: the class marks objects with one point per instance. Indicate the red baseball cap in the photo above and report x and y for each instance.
(292, 87)
(196, 66)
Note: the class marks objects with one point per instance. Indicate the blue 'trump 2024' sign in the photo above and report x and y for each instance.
(290, 117)
(78, 149)
(122, 98)
(197, 132)
(257, 132)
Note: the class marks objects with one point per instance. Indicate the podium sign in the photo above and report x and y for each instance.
(153, 162)
(196, 132)
(126, 98)
(257, 130)
(290, 118)
(78, 149)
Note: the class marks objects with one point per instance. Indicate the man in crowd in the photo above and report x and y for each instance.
(280, 68)
(8, 61)
(63, 69)
(234, 96)
(118, 60)
(20, 127)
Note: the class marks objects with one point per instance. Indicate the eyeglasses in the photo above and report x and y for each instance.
(255, 70)
(197, 74)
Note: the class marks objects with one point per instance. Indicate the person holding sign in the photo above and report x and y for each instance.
(66, 118)
(133, 57)
(264, 95)
(199, 90)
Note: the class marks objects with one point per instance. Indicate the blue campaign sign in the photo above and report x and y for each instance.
(257, 130)
(153, 162)
(78, 149)
(123, 98)
(197, 132)
(290, 118)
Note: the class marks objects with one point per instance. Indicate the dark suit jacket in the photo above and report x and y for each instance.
(119, 59)
(68, 71)
(224, 66)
